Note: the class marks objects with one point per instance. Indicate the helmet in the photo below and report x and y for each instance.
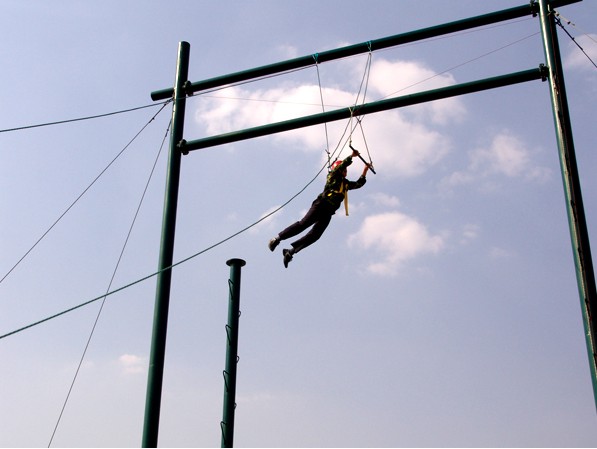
(336, 164)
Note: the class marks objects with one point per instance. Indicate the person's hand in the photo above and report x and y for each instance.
(355, 153)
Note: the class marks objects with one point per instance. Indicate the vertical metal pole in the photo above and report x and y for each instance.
(164, 278)
(574, 204)
(227, 423)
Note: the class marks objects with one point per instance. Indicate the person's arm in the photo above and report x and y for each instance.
(358, 183)
(363, 178)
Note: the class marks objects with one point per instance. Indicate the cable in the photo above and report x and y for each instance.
(60, 122)
(569, 22)
(559, 22)
(109, 285)
(462, 64)
(149, 276)
(263, 100)
(240, 83)
(83, 193)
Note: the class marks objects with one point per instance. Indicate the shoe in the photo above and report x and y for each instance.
(273, 243)
(287, 257)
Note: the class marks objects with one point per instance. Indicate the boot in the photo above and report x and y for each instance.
(287, 253)
(273, 243)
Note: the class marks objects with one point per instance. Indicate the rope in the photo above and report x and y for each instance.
(325, 125)
(359, 120)
(109, 285)
(364, 80)
(350, 121)
(83, 193)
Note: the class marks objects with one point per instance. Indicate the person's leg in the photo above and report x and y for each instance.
(311, 237)
(296, 228)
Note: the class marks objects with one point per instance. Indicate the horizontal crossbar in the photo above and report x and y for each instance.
(367, 108)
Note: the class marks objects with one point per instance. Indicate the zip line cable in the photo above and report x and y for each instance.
(60, 122)
(149, 276)
(110, 284)
(187, 259)
(83, 193)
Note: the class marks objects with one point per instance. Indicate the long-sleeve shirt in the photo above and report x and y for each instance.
(336, 185)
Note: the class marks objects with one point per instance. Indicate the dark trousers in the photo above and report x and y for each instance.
(319, 215)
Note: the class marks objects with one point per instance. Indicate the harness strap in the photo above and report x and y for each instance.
(344, 191)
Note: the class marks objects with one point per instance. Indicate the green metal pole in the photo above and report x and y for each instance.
(164, 278)
(227, 423)
(579, 234)
(368, 108)
(364, 47)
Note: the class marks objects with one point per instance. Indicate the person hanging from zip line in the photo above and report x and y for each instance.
(325, 205)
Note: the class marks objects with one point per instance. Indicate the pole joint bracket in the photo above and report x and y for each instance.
(534, 8)
(544, 70)
(182, 147)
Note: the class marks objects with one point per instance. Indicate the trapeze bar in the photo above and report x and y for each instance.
(365, 47)
(367, 108)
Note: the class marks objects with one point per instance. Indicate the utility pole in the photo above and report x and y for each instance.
(579, 234)
(164, 278)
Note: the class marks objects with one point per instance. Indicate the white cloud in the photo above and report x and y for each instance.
(576, 59)
(469, 232)
(410, 74)
(268, 223)
(394, 238)
(401, 143)
(459, 178)
(383, 199)
(287, 51)
(236, 109)
(400, 148)
(500, 253)
(506, 155)
(132, 364)
(406, 77)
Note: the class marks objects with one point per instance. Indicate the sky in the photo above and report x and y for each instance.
(442, 312)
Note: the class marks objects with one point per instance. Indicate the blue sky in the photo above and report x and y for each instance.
(443, 311)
